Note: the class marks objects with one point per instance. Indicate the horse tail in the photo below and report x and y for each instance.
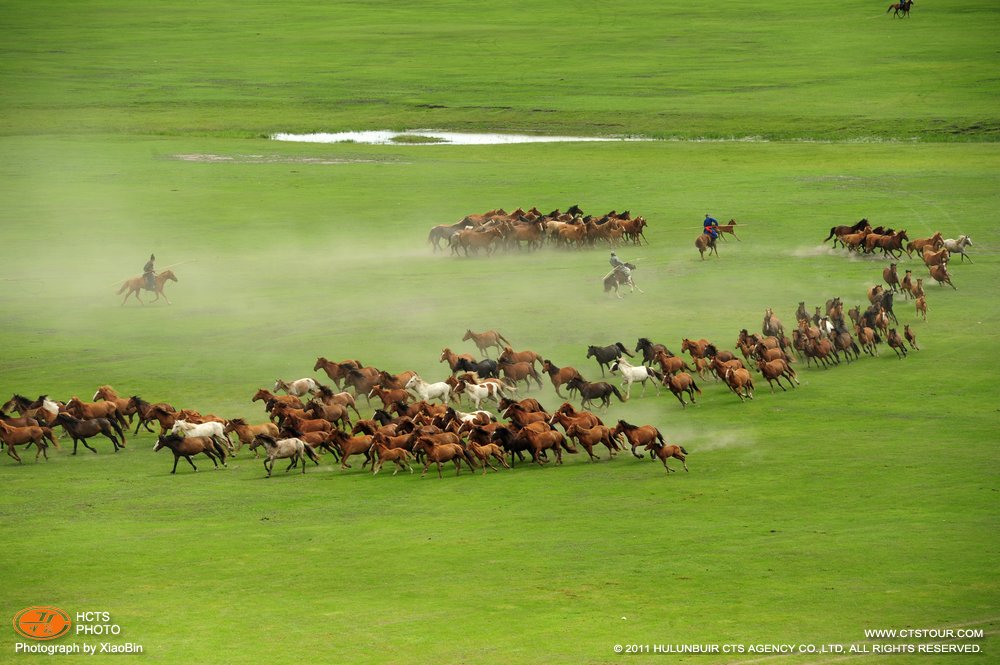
(659, 437)
(695, 386)
(117, 426)
(683, 451)
(504, 339)
(310, 452)
(656, 373)
(124, 286)
(619, 395)
(832, 228)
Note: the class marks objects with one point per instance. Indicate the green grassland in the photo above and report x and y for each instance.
(864, 499)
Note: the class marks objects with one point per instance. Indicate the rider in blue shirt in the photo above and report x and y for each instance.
(711, 226)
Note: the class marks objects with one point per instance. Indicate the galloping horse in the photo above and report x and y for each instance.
(487, 339)
(958, 246)
(703, 242)
(605, 355)
(902, 7)
(837, 231)
(137, 284)
(618, 278)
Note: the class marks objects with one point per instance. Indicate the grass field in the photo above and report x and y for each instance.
(866, 499)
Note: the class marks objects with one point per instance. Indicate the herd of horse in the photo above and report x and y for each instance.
(935, 250)
(497, 229)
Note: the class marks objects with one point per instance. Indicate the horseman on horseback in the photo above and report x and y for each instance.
(711, 226)
(149, 274)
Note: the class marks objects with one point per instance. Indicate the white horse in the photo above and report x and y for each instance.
(297, 388)
(958, 246)
(826, 326)
(478, 392)
(214, 430)
(428, 391)
(294, 449)
(632, 373)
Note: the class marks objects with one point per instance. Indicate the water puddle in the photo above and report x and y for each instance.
(431, 137)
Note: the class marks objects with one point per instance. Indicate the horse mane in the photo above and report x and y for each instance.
(625, 425)
(711, 351)
(237, 421)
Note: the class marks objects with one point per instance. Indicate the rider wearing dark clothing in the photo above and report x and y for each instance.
(149, 273)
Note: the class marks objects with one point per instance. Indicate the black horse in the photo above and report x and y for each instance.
(485, 369)
(605, 355)
(597, 390)
(650, 349)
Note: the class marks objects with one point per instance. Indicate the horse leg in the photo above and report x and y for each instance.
(84, 442)
(680, 397)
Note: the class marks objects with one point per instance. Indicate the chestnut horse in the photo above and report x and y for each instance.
(667, 450)
(559, 375)
(902, 8)
(137, 284)
(940, 275)
(637, 435)
(681, 383)
(336, 371)
(486, 340)
(16, 436)
(703, 242)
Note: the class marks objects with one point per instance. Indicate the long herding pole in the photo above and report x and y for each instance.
(116, 282)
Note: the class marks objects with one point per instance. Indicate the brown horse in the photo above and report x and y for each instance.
(932, 258)
(18, 436)
(891, 277)
(267, 396)
(919, 244)
(667, 450)
(520, 371)
(335, 413)
(398, 456)
(703, 242)
(772, 325)
(486, 451)
(636, 435)
(922, 307)
(509, 355)
(940, 275)
(671, 364)
(729, 228)
(559, 375)
(590, 437)
(81, 430)
(453, 359)
(351, 445)
(911, 337)
(137, 284)
(836, 232)
(902, 9)
(442, 452)
(740, 382)
(695, 348)
(681, 383)
(773, 370)
(336, 371)
(186, 446)
(486, 340)
(895, 342)
(245, 432)
(86, 410)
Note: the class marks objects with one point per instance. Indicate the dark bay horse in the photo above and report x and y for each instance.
(605, 355)
(837, 231)
(902, 9)
(599, 390)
